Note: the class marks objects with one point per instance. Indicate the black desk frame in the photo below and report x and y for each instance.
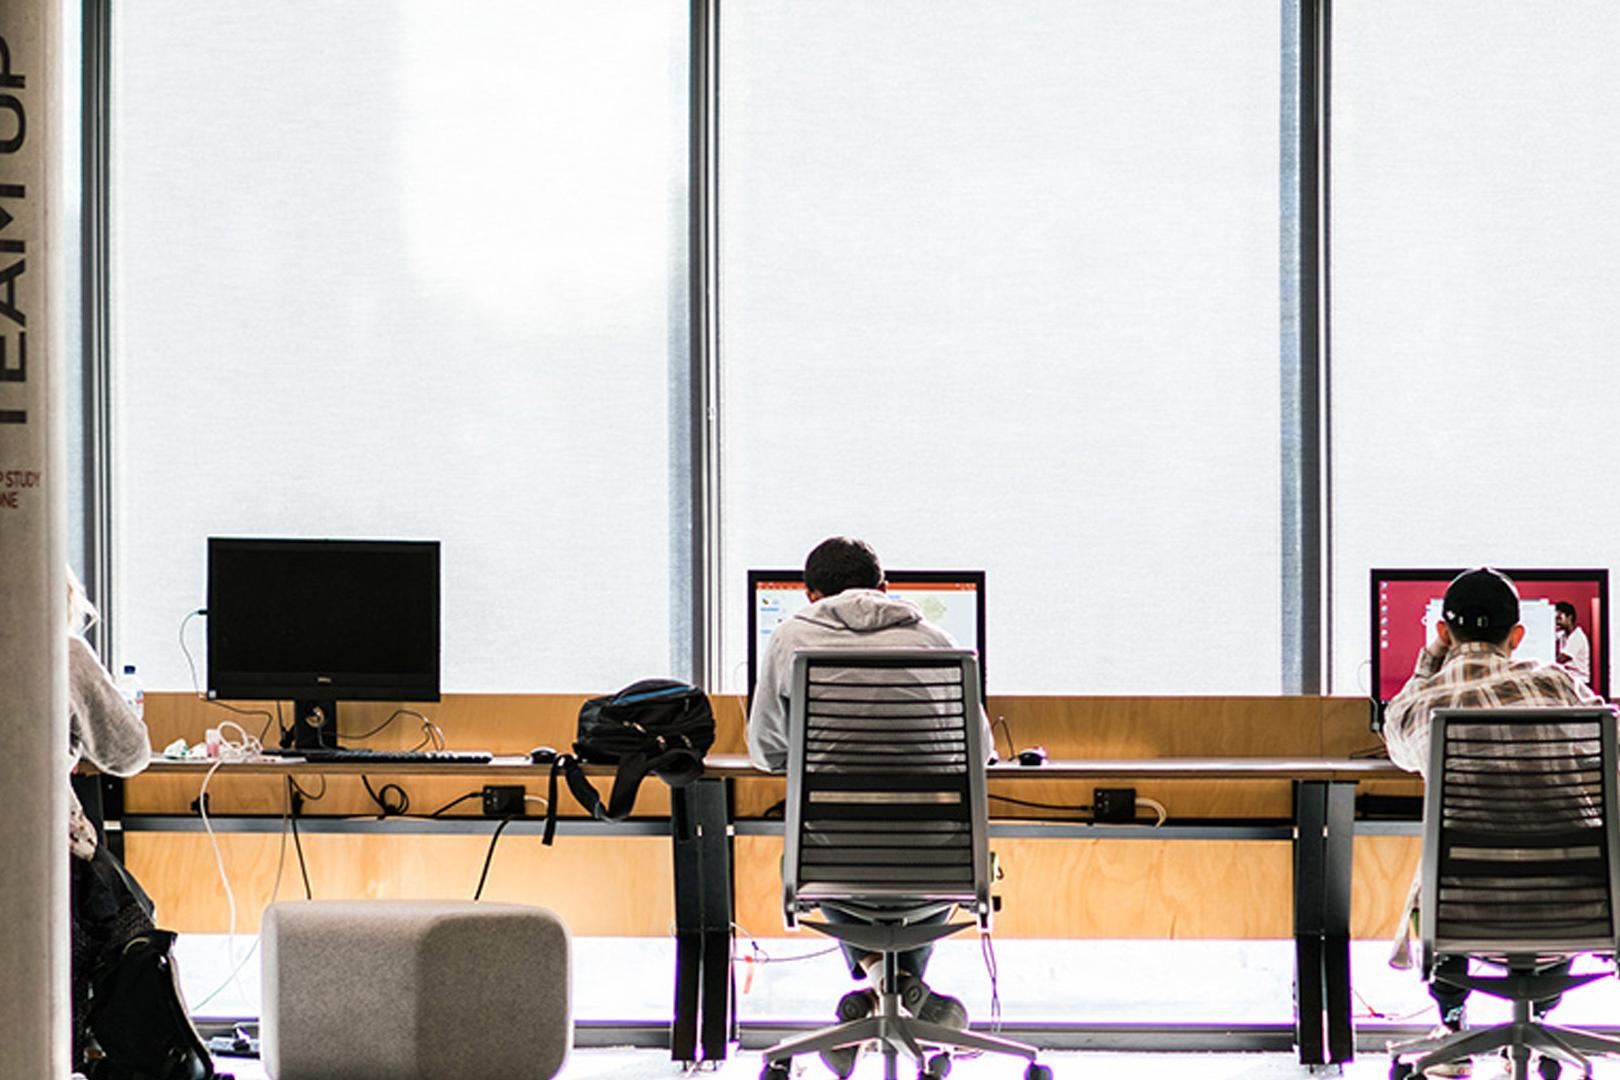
(705, 1000)
(1323, 837)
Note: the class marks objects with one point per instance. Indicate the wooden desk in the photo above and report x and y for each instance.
(707, 817)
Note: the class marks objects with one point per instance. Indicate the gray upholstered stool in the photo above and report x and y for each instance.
(414, 990)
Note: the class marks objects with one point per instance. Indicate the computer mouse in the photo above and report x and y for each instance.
(542, 755)
(1034, 755)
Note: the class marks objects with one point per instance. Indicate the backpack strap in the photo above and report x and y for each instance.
(676, 766)
(569, 766)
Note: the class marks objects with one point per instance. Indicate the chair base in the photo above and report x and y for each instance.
(1518, 1038)
(896, 1036)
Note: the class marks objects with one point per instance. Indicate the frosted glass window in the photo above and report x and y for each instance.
(415, 270)
(1000, 290)
(1474, 272)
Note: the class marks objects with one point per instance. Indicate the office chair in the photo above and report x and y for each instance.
(887, 824)
(1519, 847)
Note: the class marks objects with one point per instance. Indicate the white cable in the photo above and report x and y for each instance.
(1157, 807)
(244, 749)
(275, 890)
(538, 799)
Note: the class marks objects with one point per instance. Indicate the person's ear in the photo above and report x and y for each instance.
(812, 594)
(1515, 636)
(1442, 630)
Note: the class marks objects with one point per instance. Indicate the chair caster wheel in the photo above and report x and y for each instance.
(1549, 1067)
(1400, 1070)
(939, 1067)
(1038, 1072)
(775, 1070)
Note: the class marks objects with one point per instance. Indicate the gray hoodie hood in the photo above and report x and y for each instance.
(861, 610)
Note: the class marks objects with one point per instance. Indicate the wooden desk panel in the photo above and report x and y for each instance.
(599, 885)
(619, 885)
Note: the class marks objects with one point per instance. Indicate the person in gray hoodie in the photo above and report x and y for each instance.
(850, 610)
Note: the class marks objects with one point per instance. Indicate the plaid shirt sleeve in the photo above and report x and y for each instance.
(1471, 675)
(1406, 718)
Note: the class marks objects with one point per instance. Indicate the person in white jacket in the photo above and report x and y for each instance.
(848, 609)
(108, 906)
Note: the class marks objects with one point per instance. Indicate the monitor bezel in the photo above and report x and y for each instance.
(341, 686)
(891, 577)
(1377, 575)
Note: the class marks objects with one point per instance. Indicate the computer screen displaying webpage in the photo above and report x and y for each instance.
(951, 600)
(1406, 605)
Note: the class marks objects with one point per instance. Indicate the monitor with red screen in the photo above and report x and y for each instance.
(1406, 605)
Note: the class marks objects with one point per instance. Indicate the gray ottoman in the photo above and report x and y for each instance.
(414, 990)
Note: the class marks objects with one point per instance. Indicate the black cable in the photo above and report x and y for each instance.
(395, 715)
(268, 718)
(317, 797)
(457, 801)
(490, 855)
(1039, 805)
(296, 806)
(395, 809)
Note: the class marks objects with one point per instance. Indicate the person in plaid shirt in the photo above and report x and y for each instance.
(1468, 664)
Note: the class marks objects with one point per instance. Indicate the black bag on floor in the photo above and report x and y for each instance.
(139, 1017)
(657, 726)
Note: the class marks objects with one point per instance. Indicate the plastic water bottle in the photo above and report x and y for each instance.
(129, 685)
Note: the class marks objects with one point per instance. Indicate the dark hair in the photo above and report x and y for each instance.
(1566, 608)
(1481, 604)
(840, 563)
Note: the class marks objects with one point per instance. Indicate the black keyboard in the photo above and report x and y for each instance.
(363, 756)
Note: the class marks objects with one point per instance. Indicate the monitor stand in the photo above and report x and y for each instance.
(314, 726)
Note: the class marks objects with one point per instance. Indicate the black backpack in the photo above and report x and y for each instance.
(139, 1017)
(656, 726)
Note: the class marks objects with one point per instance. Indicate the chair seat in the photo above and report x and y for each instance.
(414, 990)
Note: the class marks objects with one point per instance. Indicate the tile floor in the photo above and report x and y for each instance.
(1100, 982)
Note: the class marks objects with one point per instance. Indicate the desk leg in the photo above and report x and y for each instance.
(1310, 827)
(1338, 866)
(703, 912)
(1324, 837)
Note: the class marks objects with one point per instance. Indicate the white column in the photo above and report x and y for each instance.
(34, 1007)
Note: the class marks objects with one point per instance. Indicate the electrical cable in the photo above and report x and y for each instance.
(1001, 722)
(395, 809)
(987, 949)
(1156, 806)
(243, 749)
(298, 846)
(490, 855)
(190, 663)
(275, 890)
(760, 956)
(457, 801)
(1081, 809)
(316, 797)
(196, 686)
(430, 730)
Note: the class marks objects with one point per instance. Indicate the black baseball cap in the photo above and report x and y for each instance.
(1482, 599)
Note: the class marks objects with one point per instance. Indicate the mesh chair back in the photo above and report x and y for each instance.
(1520, 833)
(886, 793)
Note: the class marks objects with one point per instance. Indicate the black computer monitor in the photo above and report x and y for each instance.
(950, 599)
(1406, 604)
(323, 621)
